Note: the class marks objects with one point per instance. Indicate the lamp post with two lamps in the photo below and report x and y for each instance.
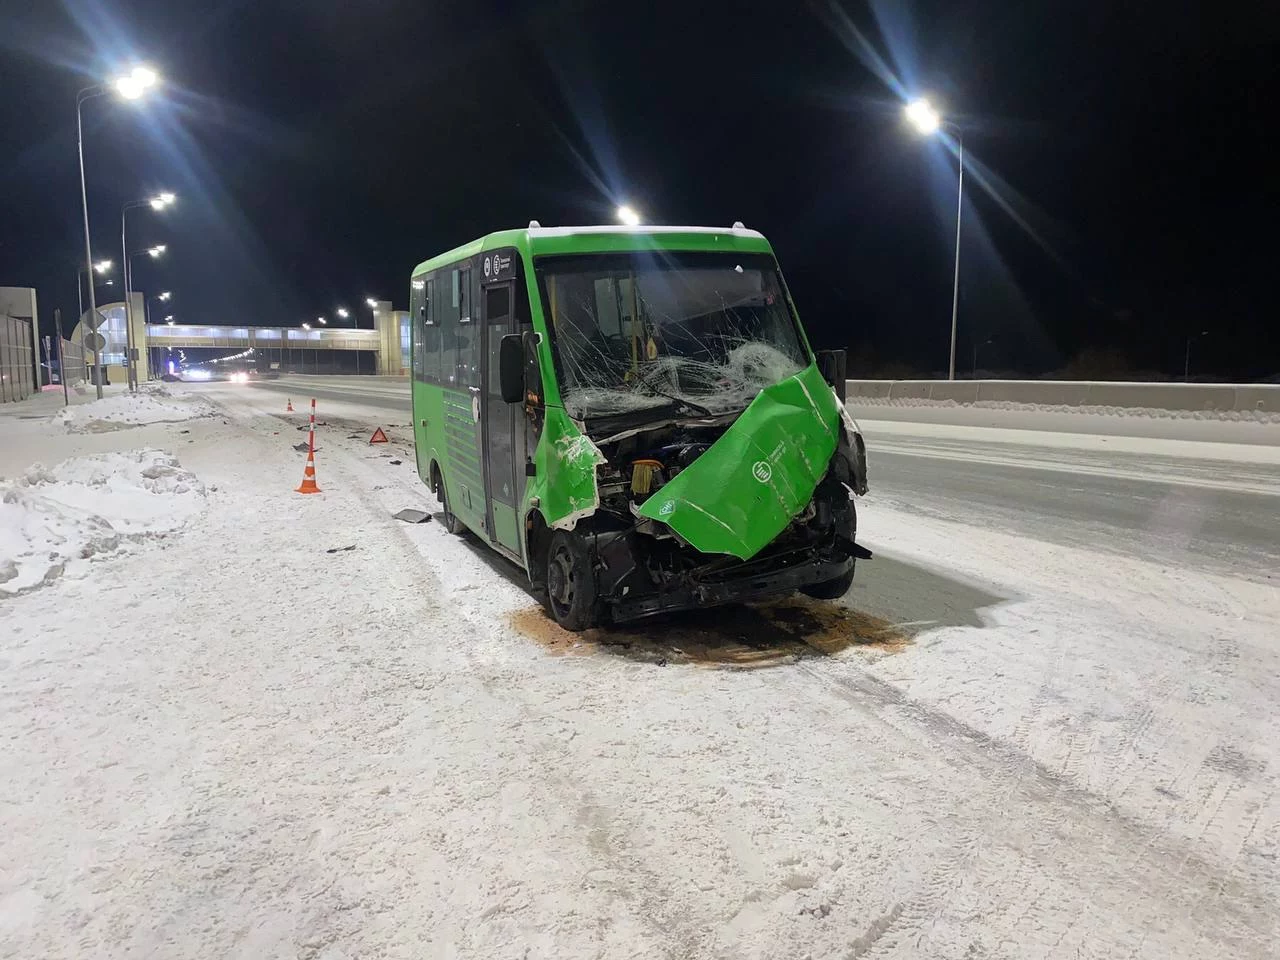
(158, 203)
(101, 267)
(927, 121)
(130, 86)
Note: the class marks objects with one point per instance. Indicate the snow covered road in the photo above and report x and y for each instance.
(1079, 481)
(1008, 741)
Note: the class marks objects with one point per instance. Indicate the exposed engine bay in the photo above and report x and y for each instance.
(644, 566)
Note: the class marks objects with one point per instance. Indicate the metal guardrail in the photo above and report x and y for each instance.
(1207, 397)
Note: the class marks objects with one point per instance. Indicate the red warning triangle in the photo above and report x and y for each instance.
(379, 437)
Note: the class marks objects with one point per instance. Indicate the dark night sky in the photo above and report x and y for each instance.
(320, 149)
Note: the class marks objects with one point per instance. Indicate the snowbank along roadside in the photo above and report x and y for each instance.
(55, 520)
(153, 403)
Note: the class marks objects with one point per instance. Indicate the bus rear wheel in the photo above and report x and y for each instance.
(447, 516)
(571, 582)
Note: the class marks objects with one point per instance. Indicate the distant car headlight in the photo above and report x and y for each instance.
(195, 374)
(239, 378)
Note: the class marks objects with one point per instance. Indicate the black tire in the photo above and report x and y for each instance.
(832, 589)
(447, 516)
(571, 582)
(837, 587)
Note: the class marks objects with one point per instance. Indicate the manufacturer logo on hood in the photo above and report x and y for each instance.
(762, 471)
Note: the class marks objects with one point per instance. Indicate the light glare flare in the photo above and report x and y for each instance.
(921, 115)
(628, 216)
(134, 84)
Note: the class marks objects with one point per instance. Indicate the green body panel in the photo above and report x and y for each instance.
(445, 433)
(744, 490)
(566, 463)
(506, 528)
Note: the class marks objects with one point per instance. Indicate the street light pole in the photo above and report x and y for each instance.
(131, 87)
(955, 282)
(1186, 361)
(158, 202)
(927, 121)
(86, 94)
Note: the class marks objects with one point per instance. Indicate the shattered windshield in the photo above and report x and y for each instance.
(643, 331)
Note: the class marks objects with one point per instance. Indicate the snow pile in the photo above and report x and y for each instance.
(1238, 416)
(53, 520)
(152, 404)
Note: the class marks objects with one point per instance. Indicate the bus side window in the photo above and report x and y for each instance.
(417, 308)
(431, 335)
(468, 358)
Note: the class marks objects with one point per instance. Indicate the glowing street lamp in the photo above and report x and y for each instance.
(137, 82)
(371, 302)
(306, 326)
(927, 121)
(102, 266)
(343, 313)
(627, 216)
(322, 321)
(921, 115)
(164, 296)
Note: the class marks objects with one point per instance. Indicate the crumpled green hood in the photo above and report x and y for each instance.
(744, 490)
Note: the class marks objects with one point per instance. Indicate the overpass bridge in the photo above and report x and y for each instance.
(383, 350)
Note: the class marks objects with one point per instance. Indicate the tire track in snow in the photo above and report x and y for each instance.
(1057, 825)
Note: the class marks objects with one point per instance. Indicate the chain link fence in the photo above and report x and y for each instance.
(17, 365)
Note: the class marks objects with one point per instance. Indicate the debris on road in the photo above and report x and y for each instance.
(410, 515)
(348, 547)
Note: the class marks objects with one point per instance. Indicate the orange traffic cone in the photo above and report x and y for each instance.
(289, 408)
(309, 474)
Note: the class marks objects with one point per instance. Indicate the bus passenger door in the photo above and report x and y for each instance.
(501, 421)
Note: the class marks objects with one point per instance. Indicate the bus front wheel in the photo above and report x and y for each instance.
(571, 582)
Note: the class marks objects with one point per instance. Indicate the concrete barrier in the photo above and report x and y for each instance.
(1212, 397)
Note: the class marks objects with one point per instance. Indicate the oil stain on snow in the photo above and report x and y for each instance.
(741, 637)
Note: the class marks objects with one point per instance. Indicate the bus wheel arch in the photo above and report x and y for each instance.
(537, 543)
(447, 517)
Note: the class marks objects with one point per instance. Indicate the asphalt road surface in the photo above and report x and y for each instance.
(1194, 511)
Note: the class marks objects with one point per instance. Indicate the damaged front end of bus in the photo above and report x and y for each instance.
(698, 457)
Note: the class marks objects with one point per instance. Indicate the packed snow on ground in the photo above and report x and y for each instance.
(151, 404)
(54, 520)
(321, 733)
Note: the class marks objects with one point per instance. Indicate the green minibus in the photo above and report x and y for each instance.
(634, 416)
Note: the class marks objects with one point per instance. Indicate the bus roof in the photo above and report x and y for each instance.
(539, 240)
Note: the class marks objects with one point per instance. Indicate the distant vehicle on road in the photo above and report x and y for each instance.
(635, 417)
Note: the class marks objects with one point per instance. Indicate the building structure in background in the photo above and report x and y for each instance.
(19, 343)
(114, 332)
